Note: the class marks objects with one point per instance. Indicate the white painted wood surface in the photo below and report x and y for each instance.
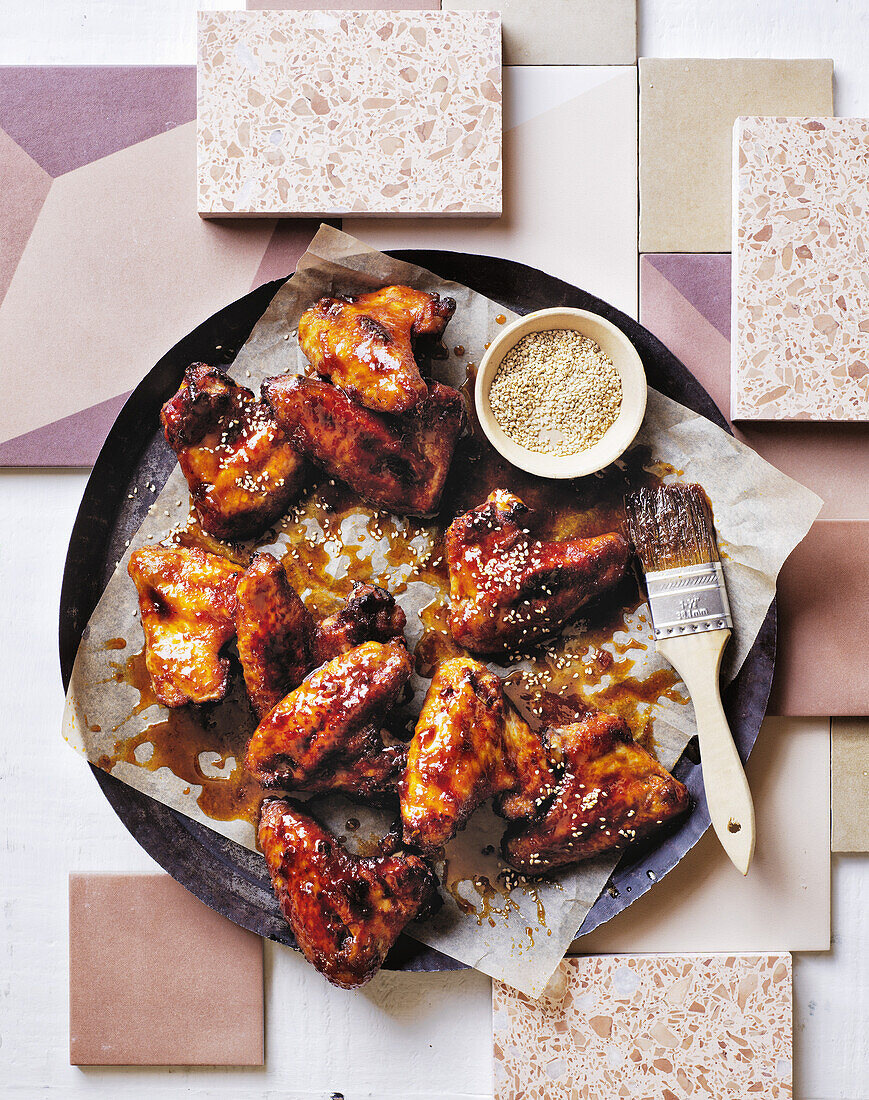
(404, 1036)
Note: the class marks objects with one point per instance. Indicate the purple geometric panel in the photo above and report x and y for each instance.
(75, 440)
(703, 280)
(68, 116)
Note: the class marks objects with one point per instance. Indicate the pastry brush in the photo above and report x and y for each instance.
(674, 536)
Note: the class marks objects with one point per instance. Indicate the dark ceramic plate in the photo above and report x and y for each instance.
(224, 875)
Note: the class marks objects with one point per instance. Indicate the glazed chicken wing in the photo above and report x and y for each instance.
(275, 633)
(509, 590)
(611, 792)
(370, 614)
(345, 911)
(242, 472)
(469, 744)
(187, 602)
(324, 734)
(400, 463)
(364, 343)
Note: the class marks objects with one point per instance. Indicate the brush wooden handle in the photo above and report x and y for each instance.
(697, 659)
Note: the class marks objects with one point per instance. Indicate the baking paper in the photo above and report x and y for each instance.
(517, 934)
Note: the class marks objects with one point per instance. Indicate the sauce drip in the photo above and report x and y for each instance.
(592, 665)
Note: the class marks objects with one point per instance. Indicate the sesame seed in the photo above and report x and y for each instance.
(556, 392)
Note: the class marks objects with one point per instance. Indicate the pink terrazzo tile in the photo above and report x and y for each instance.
(801, 303)
(660, 1027)
(322, 113)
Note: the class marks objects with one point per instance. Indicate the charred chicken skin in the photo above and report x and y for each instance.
(469, 744)
(242, 472)
(611, 792)
(187, 602)
(275, 633)
(509, 590)
(324, 735)
(370, 614)
(400, 463)
(364, 343)
(345, 911)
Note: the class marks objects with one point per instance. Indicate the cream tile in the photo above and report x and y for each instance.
(783, 904)
(849, 784)
(563, 32)
(570, 185)
(316, 113)
(687, 110)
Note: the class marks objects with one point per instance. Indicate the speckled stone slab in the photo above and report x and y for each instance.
(324, 113)
(660, 1027)
(564, 32)
(156, 978)
(801, 292)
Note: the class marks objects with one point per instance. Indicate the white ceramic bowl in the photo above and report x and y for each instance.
(615, 440)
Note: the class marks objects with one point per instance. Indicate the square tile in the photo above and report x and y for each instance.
(783, 903)
(158, 978)
(322, 113)
(685, 302)
(637, 1026)
(687, 110)
(849, 784)
(801, 300)
(563, 32)
(568, 212)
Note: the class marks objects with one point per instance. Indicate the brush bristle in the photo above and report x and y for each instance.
(671, 527)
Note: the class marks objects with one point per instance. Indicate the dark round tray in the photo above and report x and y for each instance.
(221, 873)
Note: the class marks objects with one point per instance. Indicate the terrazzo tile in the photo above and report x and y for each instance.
(685, 301)
(687, 110)
(322, 113)
(657, 1027)
(783, 903)
(570, 184)
(158, 978)
(801, 293)
(849, 784)
(563, 32)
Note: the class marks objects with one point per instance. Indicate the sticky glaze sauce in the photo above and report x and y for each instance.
(580, 677)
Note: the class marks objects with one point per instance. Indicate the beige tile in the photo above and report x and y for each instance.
(783, 904)
(118, 268)
(564, 32)
(823, 621)
(157, 978)
(849, 784)
(687, 110)
(316, 113)
(570, 185)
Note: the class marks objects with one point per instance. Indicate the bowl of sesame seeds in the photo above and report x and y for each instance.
(561, 393)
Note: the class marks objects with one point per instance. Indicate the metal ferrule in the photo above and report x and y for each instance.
(688, 600)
